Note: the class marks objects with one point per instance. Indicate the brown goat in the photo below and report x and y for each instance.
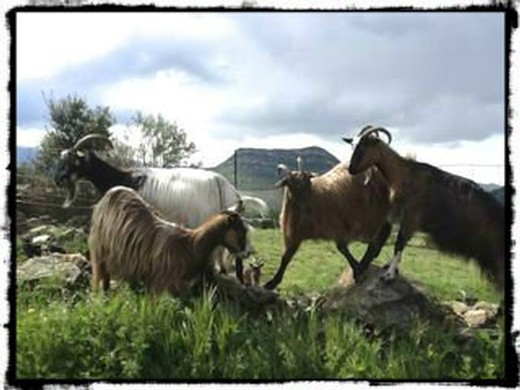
(335, 206)
(130, 241)
(459, 216)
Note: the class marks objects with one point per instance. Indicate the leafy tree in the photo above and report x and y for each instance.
(70, 119)
(164, 144)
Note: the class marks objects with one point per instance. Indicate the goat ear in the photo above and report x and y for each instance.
(348, 140)
(239, 208)
(233, 219)
(282, 170)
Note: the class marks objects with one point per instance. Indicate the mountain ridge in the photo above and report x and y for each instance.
(257, 168)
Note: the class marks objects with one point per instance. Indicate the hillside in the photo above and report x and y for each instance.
(499, 194)
(257, 168)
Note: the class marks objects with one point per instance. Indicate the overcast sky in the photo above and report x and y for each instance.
(436, 80)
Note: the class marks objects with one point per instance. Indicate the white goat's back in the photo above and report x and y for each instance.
(188, 196)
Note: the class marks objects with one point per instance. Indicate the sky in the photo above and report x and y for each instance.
(279, 80)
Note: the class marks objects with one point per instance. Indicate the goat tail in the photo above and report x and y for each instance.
(254, 203)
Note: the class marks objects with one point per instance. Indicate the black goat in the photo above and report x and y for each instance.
(460, 217)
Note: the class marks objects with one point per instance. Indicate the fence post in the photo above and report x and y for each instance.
(235, 165)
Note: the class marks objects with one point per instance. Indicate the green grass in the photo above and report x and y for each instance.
(318, 265)
(74, 335)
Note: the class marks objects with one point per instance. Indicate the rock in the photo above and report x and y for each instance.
(480, 315)
(458, 307)
(41, 240)
(60, 269)
(72, 234)
(38, 222)
(41, 230)
(395, 304)
(476, 318)
(250, 298)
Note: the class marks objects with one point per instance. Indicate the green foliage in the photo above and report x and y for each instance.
(70, 119)
(128, 335)
(164, 144)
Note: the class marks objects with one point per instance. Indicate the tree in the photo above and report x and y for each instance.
(70, 119)
(164, 144)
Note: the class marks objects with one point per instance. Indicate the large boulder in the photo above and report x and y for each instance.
(57, 268)
(396, 304)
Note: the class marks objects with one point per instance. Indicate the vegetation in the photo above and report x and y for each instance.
(70, 119)
(163, 144)
(64, 334)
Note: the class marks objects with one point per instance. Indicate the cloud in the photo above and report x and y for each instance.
(440, 77)
(433, 77)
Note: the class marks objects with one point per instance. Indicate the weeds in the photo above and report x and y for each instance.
(127, 335)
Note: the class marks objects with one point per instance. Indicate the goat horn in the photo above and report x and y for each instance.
(89, 137)
(367, 131)
(364, 130)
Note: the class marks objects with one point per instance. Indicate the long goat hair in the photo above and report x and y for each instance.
(460, 217)
(130, 241)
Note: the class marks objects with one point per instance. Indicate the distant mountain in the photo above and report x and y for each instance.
(499, 194)
(25, 154)
(490, 187)
(257, 168)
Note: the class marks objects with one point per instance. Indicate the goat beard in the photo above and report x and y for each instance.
(71, 193)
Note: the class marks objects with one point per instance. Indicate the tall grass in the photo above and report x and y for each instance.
(126, 335)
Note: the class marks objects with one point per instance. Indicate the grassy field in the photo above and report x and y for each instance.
(63, 334)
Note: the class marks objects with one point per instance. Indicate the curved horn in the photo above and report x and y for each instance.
(364, 130)
(367, 130)
(89, 137)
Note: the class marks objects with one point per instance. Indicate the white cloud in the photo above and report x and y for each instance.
(48, 43)
(31, 137)
(280, 80)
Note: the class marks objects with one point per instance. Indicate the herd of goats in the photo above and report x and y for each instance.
(167, 228)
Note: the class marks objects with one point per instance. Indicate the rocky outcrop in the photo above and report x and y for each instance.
(58, 269)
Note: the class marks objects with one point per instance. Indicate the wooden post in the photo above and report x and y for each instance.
(235, 166)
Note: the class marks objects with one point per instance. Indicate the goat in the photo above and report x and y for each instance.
(129, 240)
(183, 195)
(253, 273)
(186, 196)
(459, 216)
(334, 206)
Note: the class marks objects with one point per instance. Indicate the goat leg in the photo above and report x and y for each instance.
(239, 268)
(392, 266)
(375, 246)
(286, 259)
(343, 248)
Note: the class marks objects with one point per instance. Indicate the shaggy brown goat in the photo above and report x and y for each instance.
(460, 217)
(130, 241)
(335, 206)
